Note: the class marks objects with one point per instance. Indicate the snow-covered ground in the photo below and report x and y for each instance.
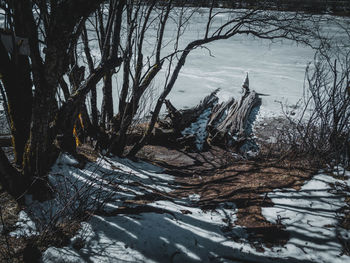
(177, 230)
(311, 216)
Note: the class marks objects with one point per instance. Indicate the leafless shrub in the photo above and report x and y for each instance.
(78, 193)
(321, 131)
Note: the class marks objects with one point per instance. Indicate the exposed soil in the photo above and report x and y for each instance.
(218, 178)
(215, 175)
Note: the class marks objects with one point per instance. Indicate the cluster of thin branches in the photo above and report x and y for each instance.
(321, 131)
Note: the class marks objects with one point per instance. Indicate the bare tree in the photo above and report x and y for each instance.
(105, 26)
(124, 35)
(259, 23)
(140, 66)
(51, 30)
(322, 129)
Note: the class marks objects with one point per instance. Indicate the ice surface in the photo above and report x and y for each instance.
(276, 69)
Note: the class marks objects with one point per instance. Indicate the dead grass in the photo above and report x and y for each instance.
(85, 150)
(218, 178)
(29, 249)
(8, 216)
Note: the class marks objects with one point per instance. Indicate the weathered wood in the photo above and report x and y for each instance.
(225, 127)
(227, 124)
(182, 119)
(187, 140)
(232, 129)
(240, 117)
(218, 113)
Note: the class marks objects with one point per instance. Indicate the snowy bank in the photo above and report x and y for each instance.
(177, 230)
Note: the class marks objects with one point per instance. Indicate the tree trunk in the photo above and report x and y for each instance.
(107, 102)
(10, 178)
(40, 151)
(93, 97)
(18, 87)
(119, 142)
(94, 111)
(218, 113)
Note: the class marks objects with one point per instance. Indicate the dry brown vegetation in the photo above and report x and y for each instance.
(219, 178)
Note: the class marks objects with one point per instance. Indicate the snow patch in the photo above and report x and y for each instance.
(198, 129)
(25, 227)
(311, 217)
(66, 159)
(178, 230)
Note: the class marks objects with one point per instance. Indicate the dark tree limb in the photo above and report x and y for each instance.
(68, 113)
(10, 178)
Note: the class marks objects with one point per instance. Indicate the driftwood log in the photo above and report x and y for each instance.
(231, 128)
(181, 119)
(227, 123)
(223, 124)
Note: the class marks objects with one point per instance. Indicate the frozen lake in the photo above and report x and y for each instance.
(276, 69)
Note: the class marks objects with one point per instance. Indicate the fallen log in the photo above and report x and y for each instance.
(227, 123)
(181, 119)
(208, 123)
(219, 111)
(232, 129)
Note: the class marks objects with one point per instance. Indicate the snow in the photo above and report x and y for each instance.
(25, 227)
(311, 217)
(178, 230)
(276, 69)
(4, 127)
(198, 129)
(66, 159)
(78, 190)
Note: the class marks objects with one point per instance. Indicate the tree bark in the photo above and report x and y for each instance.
(60, 37)
(18, 88)
(107, 102)
(93, 98)
(218, 113)
(10, 178)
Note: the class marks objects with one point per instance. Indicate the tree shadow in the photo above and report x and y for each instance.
(172, 228)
